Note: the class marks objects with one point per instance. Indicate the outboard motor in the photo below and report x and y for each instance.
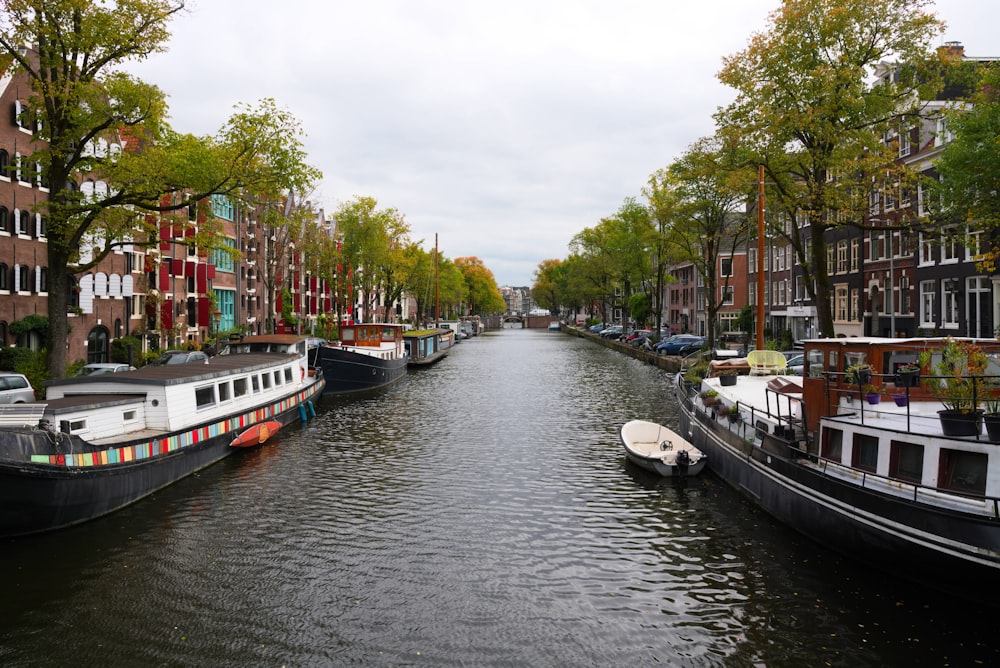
(682, 461)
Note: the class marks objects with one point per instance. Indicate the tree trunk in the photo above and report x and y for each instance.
(58, 322)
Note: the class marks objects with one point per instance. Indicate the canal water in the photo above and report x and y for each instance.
(478, 513)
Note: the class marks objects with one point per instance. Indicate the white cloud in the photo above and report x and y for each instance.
(505, 128)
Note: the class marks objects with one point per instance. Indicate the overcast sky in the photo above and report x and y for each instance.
(504, 127)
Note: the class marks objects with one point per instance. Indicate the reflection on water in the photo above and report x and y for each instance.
(478, 513)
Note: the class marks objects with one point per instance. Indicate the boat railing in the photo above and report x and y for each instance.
(913, 491)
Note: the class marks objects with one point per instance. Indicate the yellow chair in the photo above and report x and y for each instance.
(766, 362)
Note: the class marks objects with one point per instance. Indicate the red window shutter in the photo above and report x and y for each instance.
(189, 270)
(178, 267)
(202, 280)
(211, 272)
(203, 305)
(165, 277)
(167, 314)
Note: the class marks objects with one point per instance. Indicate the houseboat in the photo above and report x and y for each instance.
(864, 454)
(367, 356)
(98, 443)
(426, 346)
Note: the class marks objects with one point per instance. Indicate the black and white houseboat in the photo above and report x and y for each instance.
(862, 454)
(98, 443)
(367, 356)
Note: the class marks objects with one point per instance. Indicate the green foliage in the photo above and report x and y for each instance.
(10, 358)
(34, 368)
(39, 324)
(120, 350)
(640, 306)
(957, 374)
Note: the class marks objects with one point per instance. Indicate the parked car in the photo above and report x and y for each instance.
(181, 356)
(637, 334)
(795, 364)
(97, 369)
(15, 389)
(611, 332)
(682, 344)
(596, 329)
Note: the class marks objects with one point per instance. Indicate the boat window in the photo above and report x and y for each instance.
(347, 334)
(906, 461)
(865, 452)
(388, 334)
(204, 396)
(855, 358)
(239, 387)
(833, 444)
(814, 362)
(128, 416)
(265, 379)
(77, 425)
(963, 471)
(256, 383)
(225, 391)
(277, 378)
(288, 374)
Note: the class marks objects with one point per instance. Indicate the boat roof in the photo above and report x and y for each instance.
(175, 374)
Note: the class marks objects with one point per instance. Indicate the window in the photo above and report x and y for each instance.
(840, 303)
(842, 256)
(97, 345)
(949, 250)
(265, 379)
(225, 392)
(129, 416)
(727, 295)
(4, 164)
(23, 279)
(904, 143)
(4, 277)
(240, 387)
(288, 374)
(949, 303)
(906, 461)
(204, 397)
(727, 266)
(865, 452)
(927, 314)
(833, 442)
(963, 471)
(855, 254)
(256, 383)
(926, 250)
(277, 378)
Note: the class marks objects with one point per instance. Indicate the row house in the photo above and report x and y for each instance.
(169, 293)
(889, 278)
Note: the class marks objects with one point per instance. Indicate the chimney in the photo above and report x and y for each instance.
(951, 51)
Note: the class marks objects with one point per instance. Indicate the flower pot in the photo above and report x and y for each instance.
(908, 378)
(992, 421)
(873, 397)
(954, 423)
(900, 399)
(727, 380)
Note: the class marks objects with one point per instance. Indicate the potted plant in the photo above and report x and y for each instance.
(908, 375)
(901, 399)
(956, 381)
(992, 417)
(872, 394)
(710, 397)
(728, 376)
(858, 374)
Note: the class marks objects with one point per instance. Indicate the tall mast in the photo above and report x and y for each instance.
(437, 316)
(760, 257)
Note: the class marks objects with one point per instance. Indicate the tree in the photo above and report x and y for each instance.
(700, 192)
(546, 290)
(969, 188)
(483, 294)
(82, 105)
(805, 108)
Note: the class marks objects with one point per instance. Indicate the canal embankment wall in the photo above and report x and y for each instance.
(671, 364)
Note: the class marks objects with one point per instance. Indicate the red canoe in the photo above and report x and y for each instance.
(256, 434)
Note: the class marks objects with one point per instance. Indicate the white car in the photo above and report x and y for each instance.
(97, 369)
